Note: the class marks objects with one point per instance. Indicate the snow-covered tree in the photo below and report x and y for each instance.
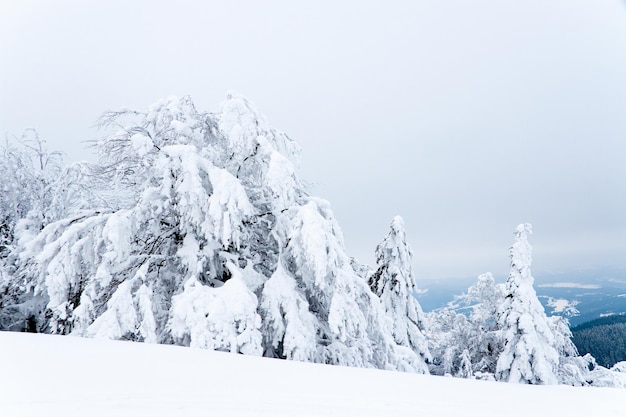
(29, 173)
(316, 308)
(363, 270)
(579, 370)
(469, 339)
(36, 190)
(529, 355)
(448, 338)
(209, 239)
(572, 369)
(485, 297)
(492, 325)
(394, 283)
(138, 272)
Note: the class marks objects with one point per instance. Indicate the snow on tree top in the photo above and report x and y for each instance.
(524, 228)
(397, 224)
(521, 253)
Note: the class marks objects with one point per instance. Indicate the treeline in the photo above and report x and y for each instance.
(613, 319)
(603, 338)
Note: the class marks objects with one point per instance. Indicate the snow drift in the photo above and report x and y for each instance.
(54, 376)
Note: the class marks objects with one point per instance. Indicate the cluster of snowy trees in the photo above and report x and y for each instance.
(507, 336)
(194, 229)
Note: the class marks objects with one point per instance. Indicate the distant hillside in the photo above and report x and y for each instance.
(594, 293)
(608, 320)
(604, 338)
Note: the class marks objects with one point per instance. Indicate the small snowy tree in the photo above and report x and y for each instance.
(458, 339)
(29, 173)
(394, 283)
(36, 190)
(572, 368)
(484, 342)
(448, 339)
(579, 370)
(529, 355)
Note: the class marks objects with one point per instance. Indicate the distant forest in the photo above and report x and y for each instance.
(604, 338)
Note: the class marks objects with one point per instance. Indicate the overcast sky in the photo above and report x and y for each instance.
(464, 117)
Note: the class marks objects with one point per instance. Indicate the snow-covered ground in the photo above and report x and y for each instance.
(570, 285)
(43, 375)
(563, 306)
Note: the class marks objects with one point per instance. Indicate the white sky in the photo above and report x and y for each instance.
(465, 117)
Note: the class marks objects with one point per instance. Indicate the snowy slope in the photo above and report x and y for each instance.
(44, 375)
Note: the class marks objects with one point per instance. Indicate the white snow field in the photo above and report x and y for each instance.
(45, 375)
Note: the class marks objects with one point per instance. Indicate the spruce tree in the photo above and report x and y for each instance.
(394, 283)
(528, 355)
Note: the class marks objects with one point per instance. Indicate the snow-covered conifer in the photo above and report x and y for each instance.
(348, 324)
(394, 283)
(579, 370)
(528, 355)
(362, 270)
(572, 368)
